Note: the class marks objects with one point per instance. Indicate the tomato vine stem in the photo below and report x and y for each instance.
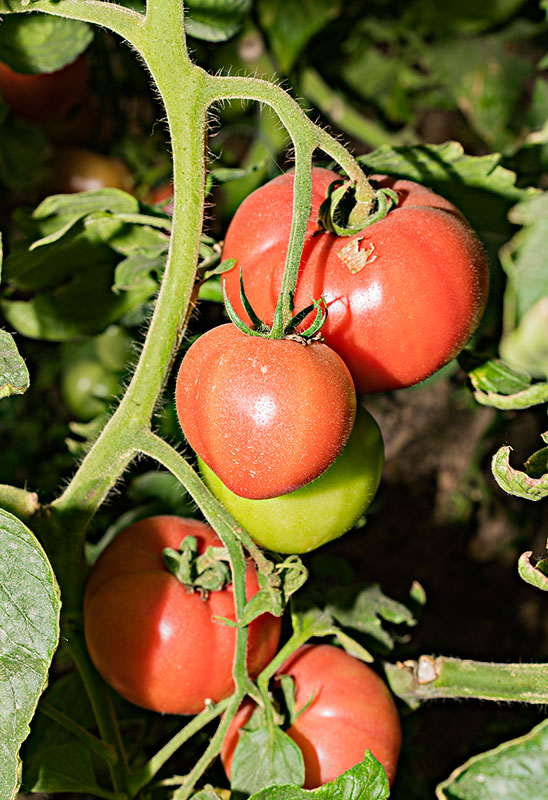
(431, 678)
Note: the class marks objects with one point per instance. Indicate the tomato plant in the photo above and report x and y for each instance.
(78, 169)
(322, 510)
(268, 416)
(156, 642)
(404, 295)
(43, 96)
(345, 708)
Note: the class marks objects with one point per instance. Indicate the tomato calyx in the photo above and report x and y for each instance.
(344, 214)
(207, 572)
(259, 328)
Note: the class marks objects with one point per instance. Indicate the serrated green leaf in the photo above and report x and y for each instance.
(82, 307)
(365, 609)
(493, 375)
(385, 80)
(14, 375)
(533, 396)
(136, 269)
(515, 770)
(58, 213)
(534, 574)
(523, 259)
(42, 43)
(515, 482)
(485, 77)
(215, 20)
(478, 185)
(365, 781)
(23, 155)
(29, 630)
(290, 26)
(266, 757)
(66, 767)
(353, 648)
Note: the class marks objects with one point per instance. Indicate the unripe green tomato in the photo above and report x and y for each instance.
(87, 388)
(319, 512)
(113, 347)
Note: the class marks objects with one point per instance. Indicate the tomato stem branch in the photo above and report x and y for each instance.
(101, 704)
(431, 678)
(124, 21)
(302, 194)
(147, 772)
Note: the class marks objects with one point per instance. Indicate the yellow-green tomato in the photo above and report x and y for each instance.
(321, 511)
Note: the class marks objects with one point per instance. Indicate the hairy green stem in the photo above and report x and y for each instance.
(306, 137)
(214, 512)
(121, 20)
(146, 773)
(435, 678)
(336, 108)
(212, 751)
(101, 704)
(302, 194)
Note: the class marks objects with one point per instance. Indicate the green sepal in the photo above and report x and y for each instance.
(207, 572)
(335, 208)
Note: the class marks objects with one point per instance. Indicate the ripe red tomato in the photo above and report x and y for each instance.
(155, 642)
(77, 169)
(43, 96)
(351, 711)
(322, 510)
(404, 295)
(267, 415)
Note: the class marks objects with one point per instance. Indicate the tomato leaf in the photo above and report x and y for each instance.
(14, 375)
(534, 574)
(290, 26)
(215, 20)
(41, 43)
(525, 304)
(513, 770)
(526, 346)
(479, 186)
(29, 631)
(66, 767)
(492, 374)
(266, 757)
(83, 306)
(365, 781)
(487, 97)
(514, 482)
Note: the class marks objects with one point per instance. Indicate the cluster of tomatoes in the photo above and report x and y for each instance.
(283, 445)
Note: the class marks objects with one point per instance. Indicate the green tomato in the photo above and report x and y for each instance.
(88, 388)
(319, 512)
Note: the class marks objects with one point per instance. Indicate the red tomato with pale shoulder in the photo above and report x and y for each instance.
(157, 643)
(39, 97)
(267, 415)
(403, 296)
(351, 711)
